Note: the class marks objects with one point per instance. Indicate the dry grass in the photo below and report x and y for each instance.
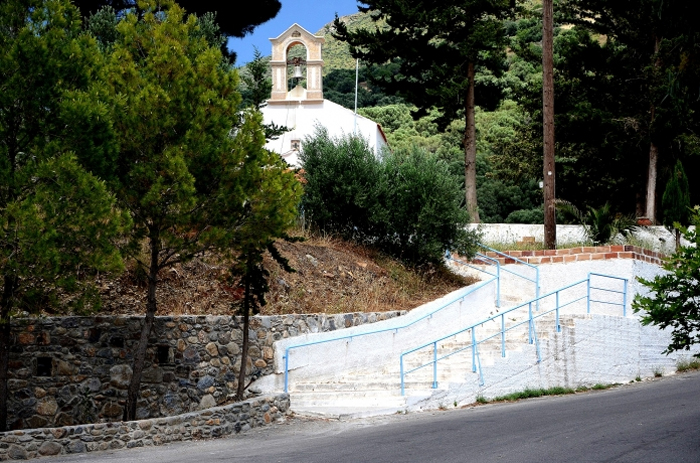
(332, 276)
(335, 276)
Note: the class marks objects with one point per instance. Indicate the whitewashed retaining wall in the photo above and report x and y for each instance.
(657, 238)
(603, 347)
(332, 359)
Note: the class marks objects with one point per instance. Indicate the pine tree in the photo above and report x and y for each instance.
(429, 52)
(657, 63)
(58, 222)
(191, 169)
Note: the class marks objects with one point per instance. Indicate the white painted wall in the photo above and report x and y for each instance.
(303, 118)
(657, 238)
(333, 359)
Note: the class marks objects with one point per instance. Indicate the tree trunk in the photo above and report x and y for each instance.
(651, 183)
(140, 354)
(244, 347)
(549, 173)
(469, 143)
(9, 286)
(4, 362)
(653, 150)
(678, 239)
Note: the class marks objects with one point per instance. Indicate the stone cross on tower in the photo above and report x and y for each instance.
(296, 35)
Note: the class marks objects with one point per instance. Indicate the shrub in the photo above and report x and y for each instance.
(340, 193)
(407, 204)
(526, 216)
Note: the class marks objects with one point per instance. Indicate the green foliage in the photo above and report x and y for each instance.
(407, 204)
(339, 87)
(341, 177)
(498, 197)
(529, 393)
(231, 20)
(687, 365)
(673, 302)
(59, 222)
(601, 225)
(676, 198)
(427, 48)
(192, 170)
(336, 54)
(421, 208)
(175, 105)
(103, 26)
(256, 83)
(526, 216)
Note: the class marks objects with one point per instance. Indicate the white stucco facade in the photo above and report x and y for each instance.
(302, 108)
(303, 118)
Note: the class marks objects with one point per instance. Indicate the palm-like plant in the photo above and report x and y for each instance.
(601, 225)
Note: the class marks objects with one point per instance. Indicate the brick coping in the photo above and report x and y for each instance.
(578, 254)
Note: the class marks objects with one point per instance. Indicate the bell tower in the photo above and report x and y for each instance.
(297, 35)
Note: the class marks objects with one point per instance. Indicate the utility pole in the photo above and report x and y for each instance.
(550, 225)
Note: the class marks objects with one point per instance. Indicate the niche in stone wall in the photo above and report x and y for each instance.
(164, 355)
(44, 366)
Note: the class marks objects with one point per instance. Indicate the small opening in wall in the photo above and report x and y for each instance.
(116, 341)
(163, 354)
(43, 366)
(94, 335)
(296, 144)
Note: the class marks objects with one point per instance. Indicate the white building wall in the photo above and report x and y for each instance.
(657, 238)
(302, 120)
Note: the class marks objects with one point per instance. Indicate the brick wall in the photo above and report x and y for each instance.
(579, 254)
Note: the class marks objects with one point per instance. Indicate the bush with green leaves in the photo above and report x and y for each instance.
(675, 295)
(340, 194)
(406, 204)
(676, 201)
(601, 225)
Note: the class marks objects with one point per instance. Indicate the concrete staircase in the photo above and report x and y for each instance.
(376, 390)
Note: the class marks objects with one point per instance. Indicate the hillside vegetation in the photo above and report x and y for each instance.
(332, 276)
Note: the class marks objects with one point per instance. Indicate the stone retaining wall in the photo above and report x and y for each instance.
(214, 422)
(72, 370)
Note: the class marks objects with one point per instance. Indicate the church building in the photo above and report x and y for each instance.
(302, 108)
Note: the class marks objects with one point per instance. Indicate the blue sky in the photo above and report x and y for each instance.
(310, 14)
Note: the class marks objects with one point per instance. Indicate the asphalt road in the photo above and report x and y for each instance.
(653, 421)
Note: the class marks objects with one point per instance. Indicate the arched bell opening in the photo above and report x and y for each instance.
(296, 55)
(297, 67)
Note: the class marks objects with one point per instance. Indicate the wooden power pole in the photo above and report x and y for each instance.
(550, 225)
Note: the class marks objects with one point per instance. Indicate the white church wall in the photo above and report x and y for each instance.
(302, 119)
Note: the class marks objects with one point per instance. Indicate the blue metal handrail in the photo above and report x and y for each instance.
(395, 329)
(448, 255)
(536, 281)
(532, 335)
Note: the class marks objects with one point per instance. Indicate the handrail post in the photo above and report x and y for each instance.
(588, 294)
(537, 287)
(403, 390)
(503, 335)
(624, 298)
(557, 322)
(498, 284)
(473, 350)
(435, 384)
(286, 370)
(529, 325)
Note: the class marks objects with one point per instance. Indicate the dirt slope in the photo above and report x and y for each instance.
(331, 276)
